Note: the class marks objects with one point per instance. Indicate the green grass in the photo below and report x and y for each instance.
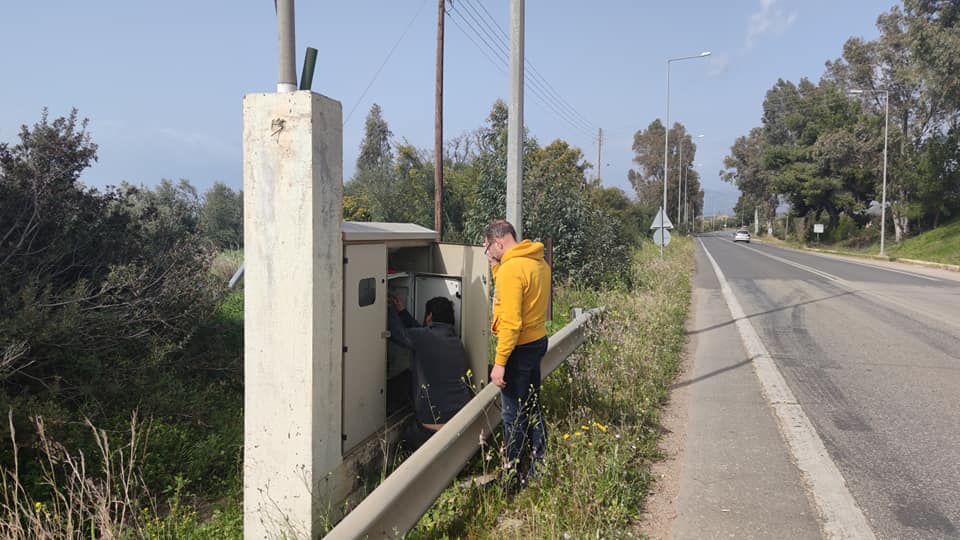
(940, 245)
(602, 410)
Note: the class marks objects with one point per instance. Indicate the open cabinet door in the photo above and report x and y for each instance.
(471, 263)
(364, 340)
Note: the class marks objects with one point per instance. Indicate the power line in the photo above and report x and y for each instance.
(500, 61)
(493, 61)
(536, 73)
(532, 80)
(385, 60)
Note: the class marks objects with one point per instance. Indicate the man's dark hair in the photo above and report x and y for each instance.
(499, 229)
(441, 308)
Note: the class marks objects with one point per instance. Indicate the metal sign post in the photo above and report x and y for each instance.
(661, 236)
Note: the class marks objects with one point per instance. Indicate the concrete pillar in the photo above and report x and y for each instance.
(293, 187)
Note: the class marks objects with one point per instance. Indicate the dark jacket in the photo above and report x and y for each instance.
(440, 385)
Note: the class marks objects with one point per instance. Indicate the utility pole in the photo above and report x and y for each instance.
(685, 205)
(438, 128)
(515, 121)
(680, 180)
(599, 146)
(756, 220)
(286, 41)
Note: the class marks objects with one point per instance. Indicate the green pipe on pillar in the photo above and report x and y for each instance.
(309, 62)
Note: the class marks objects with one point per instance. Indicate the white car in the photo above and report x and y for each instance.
(741, 236)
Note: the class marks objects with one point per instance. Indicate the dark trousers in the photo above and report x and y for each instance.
(415, 434)
(524, 431)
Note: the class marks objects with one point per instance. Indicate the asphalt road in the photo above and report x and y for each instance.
(871, 352)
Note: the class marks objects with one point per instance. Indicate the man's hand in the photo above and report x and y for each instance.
(496, 375)
(490, 258)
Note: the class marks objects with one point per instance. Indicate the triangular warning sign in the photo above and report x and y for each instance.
(666, 221)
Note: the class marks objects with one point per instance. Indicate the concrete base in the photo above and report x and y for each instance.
(293, 185)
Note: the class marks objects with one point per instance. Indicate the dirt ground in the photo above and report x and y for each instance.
(661, 506)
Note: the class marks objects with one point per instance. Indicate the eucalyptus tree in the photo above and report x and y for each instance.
(647, 179)
(906, 64)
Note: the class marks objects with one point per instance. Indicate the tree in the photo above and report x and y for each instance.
(633, 218)
(809, 151)
(91, 284)
(165, 214)
(414, 188)
(648, 180)
(743, 167)
(490, 198)
(589, 243)
(375, 151)
(907, 62)
(374, 178)
(221, 216)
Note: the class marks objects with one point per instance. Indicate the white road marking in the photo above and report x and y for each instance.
(860, 290)
(820, 273)
(869, 265)
(878, 267)
(841, 516)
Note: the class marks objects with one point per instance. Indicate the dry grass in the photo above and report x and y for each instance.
(95, 499)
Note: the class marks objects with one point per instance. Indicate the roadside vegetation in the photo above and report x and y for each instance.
(121, 349)
(820, 147)
(113, 307)
(602, 411)
(940, 245)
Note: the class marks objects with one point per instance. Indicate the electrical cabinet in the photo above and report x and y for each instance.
(406, 261)
(365, 350)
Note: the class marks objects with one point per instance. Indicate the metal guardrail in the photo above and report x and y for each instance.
(396, 505)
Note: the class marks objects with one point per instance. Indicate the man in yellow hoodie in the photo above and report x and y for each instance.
(522, 292)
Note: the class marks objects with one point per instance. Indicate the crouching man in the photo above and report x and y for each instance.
(440, 386)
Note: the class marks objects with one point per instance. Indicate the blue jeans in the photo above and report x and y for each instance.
(524, 431)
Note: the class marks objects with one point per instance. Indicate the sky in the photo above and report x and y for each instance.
(162, 83)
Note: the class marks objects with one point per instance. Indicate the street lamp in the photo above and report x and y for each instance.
(681, 195)
(883, 197)
(686, 184)
(666, 142)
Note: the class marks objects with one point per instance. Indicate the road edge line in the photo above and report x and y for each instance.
(841, 516)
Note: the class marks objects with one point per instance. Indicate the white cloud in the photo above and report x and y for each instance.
(769, 20)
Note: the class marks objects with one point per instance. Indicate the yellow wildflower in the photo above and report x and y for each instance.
(577, 433)
(585, 428)
(566, 436)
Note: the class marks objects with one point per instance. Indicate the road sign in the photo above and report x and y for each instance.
(661, 237)
(818, 228)
(666, 221)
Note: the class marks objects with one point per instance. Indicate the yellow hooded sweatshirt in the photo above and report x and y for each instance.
(522, 293)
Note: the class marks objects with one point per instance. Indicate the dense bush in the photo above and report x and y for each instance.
(108, 305)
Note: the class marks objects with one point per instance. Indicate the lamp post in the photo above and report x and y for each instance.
(686, 185)
(883, 197)
(666, 139)
(681, 187)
